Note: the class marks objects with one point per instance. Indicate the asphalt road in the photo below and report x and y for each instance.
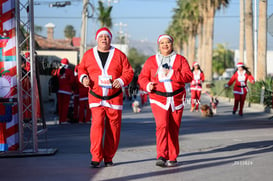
(224, 147)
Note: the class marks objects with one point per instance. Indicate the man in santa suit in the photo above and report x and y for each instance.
(66, 80)
(164, 76)
(196, 86)
(240, 77)
(105, 70)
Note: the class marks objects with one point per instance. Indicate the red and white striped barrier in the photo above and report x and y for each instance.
(8, 81)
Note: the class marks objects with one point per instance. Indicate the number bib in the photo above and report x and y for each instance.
(105, 81)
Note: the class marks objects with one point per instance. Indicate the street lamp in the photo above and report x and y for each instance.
(60, 4)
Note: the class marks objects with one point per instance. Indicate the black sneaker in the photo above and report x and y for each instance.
(95, 164)
(172, 163)
(233, 112)
(161, 162)
(108, 164)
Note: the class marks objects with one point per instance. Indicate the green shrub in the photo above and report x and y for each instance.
(254, 92)
(219, 85)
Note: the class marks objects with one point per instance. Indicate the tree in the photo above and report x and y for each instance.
(69, 32)
(262, 40)
(209, 9)
(242, 31)
(105, 15)
(249, 35)
(38, 29)
(222, 59)
(135, 58)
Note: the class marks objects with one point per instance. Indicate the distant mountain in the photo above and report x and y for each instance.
(143, 47)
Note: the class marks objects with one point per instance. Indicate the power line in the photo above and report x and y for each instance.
(132, 17)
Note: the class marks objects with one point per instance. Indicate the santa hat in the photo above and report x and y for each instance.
(64, 62)
(27, 54)
(239, 64)
(195, 63)
(164, 36)
(103, 31)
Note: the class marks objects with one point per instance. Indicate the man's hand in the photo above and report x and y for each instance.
(86, 82)
(116, 84)
(152, 86)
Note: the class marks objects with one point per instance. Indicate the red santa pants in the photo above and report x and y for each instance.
(144, 99)
(63, 103)
(167, 132)
(110, 120)
(195, 98)
(76, 107)
(239, 98)
(82, 116)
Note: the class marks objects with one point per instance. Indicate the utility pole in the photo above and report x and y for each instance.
(120, 32)
(83, 28)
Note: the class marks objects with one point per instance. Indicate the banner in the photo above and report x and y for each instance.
(9, 136)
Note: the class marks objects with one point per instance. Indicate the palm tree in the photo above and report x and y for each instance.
(242, 31)
(178, 32)
(105, 15)
(190, 15)
(69, 32)
(249, 35)
(184, 27)
(209, 9)
(262, 41)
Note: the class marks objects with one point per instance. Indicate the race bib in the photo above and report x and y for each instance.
(162, 77)
(105, 81)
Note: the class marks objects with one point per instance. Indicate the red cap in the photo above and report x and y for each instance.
(195, 63)
(239, 64)
(64, 61)
(164, 36)
(102, 31)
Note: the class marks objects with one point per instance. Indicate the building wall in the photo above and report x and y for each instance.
(72, 56)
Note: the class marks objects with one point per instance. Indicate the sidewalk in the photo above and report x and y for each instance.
(224, 147)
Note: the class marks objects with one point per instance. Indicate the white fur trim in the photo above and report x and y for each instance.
(148, 87)
(105, 33)
(82, 76)
(121, 82)
(164, 36)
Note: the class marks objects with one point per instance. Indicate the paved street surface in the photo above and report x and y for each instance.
(224, 147)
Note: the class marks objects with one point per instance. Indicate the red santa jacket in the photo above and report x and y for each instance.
(117, 66)
(240, 86)
(179, 74)
(66, 81)
(198, 78)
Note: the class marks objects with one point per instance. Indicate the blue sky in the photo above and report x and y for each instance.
(145, 19)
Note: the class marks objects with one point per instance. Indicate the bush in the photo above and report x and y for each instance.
(217, 89)
(256, 89)
(254, 92)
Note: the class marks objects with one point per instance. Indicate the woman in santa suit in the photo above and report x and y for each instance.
(196, 86)
(66, 80)
(164, 76)
(105, 70)
(240, 77)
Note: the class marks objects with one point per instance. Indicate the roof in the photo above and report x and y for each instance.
(60, 44)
